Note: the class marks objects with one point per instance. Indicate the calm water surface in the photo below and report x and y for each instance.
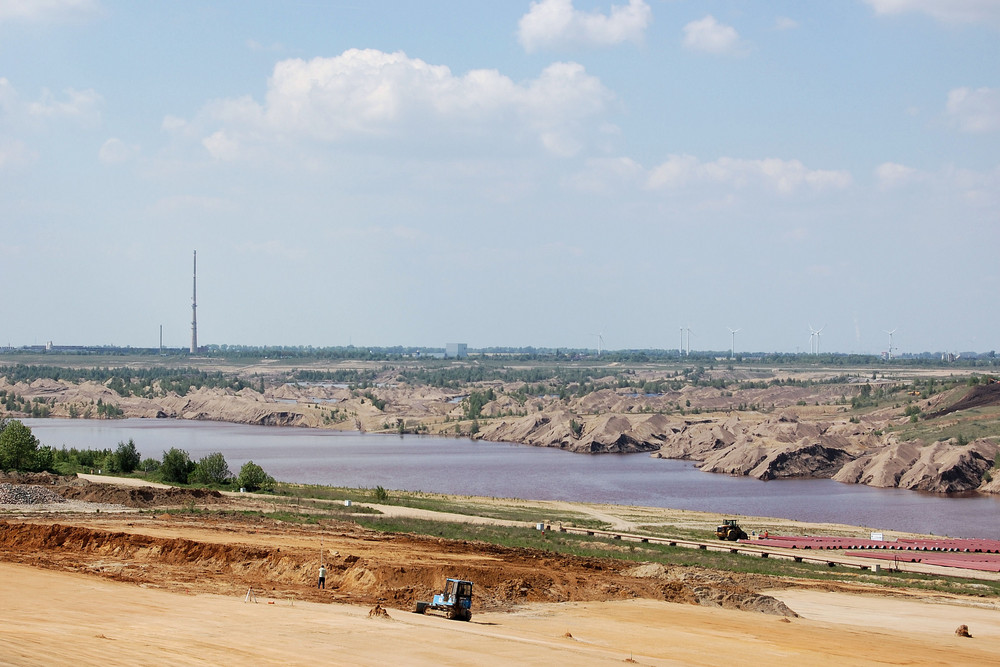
(471, 467)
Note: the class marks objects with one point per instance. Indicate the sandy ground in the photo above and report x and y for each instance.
(150, 588)
(62, 618)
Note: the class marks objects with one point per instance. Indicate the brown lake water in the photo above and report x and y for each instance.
(473, 467)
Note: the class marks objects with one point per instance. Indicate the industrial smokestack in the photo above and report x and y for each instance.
(194, 307)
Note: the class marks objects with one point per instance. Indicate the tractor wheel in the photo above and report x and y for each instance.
(421, 608)
(467, 616)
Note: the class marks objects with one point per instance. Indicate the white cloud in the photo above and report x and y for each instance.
(79, 105)
(892, 174)
(963, 187)
(369, 95)
(116, 151)
(977, 189)
(14, 153)
(553, 24)
(785, 23)
(709, 36)
(173, 124)
(975, 110)
(45, 10)
(222, 146)
(606, 175)
(782, 176)
(949, 11)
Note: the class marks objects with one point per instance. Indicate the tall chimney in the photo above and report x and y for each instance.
(194, 307)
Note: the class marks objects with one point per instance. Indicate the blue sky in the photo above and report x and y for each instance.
(502, 173)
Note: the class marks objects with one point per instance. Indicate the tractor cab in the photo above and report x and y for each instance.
(730, 530)
(455, 600)
(457, 592)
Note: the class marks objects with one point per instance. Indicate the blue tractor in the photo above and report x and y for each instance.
(456, 600)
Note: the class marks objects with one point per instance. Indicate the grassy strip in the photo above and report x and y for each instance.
(589, 546)
(439, 503)
(676, 532)
(598, 547)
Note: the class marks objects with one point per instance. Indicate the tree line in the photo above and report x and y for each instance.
(21, 451)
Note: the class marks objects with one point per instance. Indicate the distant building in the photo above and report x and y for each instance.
(456, 351)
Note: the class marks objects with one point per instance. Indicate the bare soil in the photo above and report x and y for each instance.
(152, 587)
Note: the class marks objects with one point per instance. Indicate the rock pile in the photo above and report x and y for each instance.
(22, 494)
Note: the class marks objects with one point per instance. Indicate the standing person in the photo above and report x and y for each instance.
(322, 577)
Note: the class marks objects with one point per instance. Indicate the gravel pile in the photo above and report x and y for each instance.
(22, 494)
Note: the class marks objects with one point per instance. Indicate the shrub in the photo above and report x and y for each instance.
(125, 458)
(213, 469)
(253, 478)
(176, 466)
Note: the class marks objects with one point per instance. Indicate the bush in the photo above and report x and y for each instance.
(253, 478)
(212, 469)
(125, 459)
(176, 466)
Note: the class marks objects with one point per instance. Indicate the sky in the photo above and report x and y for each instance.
(549, 173)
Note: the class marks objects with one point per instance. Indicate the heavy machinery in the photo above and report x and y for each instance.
(730, 530)
(455, 600)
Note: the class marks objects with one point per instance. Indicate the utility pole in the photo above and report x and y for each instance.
(194, 307)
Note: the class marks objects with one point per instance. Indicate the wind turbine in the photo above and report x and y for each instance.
(688, 329)
(732, 352)
(890, 342)
(680, 350)
(815, 334)
(600, 342)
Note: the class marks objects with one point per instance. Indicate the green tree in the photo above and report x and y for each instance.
(18, 447)
(45, 458)
(126, 458)
(213, 469)
(176, 466)
(253, 478)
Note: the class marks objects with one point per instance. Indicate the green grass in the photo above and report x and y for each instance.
(589, 546)
(300, 510)
(679, 533)
(969, 424)
(439, 503)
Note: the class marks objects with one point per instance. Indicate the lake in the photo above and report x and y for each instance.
(473, 467)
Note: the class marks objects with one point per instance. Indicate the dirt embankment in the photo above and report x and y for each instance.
(234, 552)
(152, 587)
(74, 488)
